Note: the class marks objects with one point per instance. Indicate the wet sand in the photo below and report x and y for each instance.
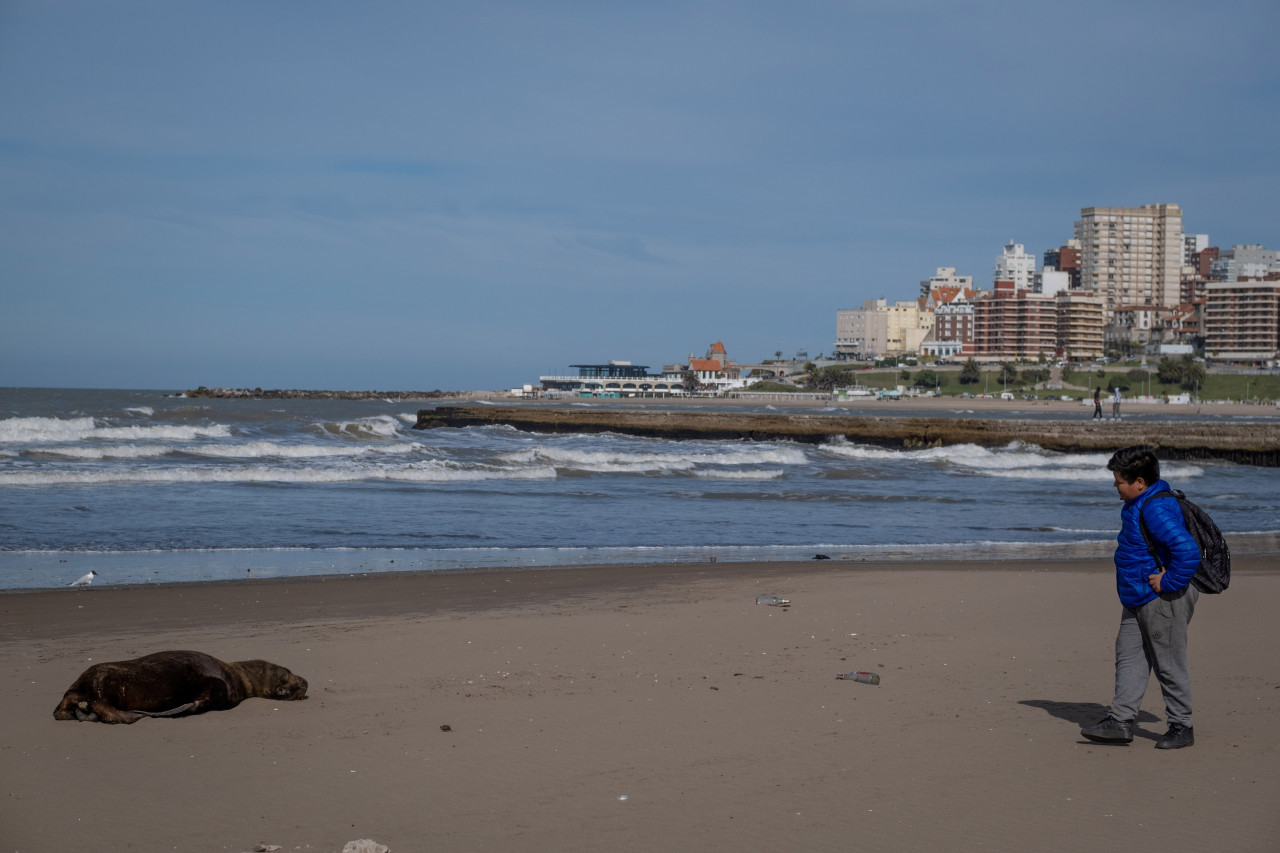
(646, 708)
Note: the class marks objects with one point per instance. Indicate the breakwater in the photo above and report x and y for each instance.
(306, 394)
(1246, 443)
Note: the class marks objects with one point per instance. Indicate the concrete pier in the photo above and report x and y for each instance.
(1252, 443)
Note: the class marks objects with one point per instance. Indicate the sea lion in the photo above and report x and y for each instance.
(172, 684)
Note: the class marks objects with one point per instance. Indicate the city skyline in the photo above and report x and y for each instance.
(417, 196)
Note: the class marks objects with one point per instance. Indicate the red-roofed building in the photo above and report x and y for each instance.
(951, 333)
(716, 370)
(1183, 324)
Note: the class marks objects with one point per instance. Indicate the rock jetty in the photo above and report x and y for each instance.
(1247, 443)
(300, 394)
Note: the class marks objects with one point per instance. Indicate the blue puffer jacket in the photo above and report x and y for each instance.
(1178, 551)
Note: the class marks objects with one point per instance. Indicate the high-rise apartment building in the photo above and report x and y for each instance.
(1131, 255)
(1012, 322)
(1204, 261)
(1066, 258)
(1247, 261)
(1015, 265)
(1192, 245)
(1242, 320)
(1081, 324)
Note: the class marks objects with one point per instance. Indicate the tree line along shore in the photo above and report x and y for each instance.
(1168, 378)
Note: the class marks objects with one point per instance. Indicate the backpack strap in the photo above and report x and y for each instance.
(1146, 532)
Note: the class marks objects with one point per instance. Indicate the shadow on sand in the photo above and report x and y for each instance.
(1083, 714)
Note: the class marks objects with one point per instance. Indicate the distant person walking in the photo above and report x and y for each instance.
(1097, 403)
(1115, 406)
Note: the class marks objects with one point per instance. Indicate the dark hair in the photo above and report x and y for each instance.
(1134, 462)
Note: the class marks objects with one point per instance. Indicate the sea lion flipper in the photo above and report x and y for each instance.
(107, 713)
(172, 712)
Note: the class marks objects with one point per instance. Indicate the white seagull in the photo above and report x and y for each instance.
(84, 581)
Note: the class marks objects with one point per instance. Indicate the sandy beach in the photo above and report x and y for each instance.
(646, 708)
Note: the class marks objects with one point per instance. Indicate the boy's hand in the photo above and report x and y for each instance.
(1155, 579)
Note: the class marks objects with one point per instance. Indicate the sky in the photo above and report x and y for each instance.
(421, 195)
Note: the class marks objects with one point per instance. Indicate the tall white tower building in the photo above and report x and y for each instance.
(1015, 265)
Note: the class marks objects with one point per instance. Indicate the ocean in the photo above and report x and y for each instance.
(145, 487)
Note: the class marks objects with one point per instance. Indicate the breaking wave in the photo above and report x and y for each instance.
(641, 462)
(766, 474)
(121, 451)
(62, 430)
(30, 430)
(430, 472)
(1016, 460)
(270, 449)
(379, 426)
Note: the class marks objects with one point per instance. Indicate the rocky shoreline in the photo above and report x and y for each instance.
(303, 394)
(1246, 443)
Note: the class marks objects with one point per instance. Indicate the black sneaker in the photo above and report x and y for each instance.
(1177, 737)
(1110, 730)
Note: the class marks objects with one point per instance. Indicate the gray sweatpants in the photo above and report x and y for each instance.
(1153, 638)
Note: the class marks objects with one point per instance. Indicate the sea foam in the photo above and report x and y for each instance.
(271, 449)
(1014, 455)
(32, 430)
(119, 451)
(426, 473)
(614, 461)
(380, 426)
(762, 474)
(63, 430)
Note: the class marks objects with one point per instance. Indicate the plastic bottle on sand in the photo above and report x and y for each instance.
(772, 600)
(864, 677)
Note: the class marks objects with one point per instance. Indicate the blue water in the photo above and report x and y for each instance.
(144, 487)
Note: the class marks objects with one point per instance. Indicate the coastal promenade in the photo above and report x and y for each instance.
(1252, 442)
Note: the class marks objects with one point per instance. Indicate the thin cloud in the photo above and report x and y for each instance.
(403, 168)
(622, 247)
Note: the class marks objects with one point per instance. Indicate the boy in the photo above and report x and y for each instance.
(1158, 601)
